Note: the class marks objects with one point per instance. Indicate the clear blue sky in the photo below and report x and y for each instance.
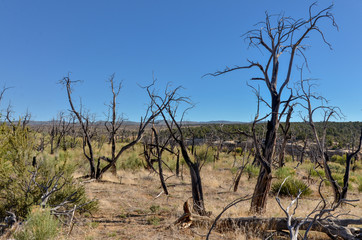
(41, 41)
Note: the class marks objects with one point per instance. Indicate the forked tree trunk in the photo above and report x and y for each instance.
(196, 185)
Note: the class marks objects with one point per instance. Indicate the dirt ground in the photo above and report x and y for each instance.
(132, 206)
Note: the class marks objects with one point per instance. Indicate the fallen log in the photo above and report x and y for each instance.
(336, 228)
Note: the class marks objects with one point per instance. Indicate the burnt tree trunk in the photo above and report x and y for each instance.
(159, 160)
(196, 185)
(347, 170)
(262, 187)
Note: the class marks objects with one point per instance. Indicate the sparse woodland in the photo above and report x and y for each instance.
(165, 178)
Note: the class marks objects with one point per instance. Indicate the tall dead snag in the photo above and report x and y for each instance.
(169, 115)
(113, 123)
(280, 38)
(84, 121)
(307, 96)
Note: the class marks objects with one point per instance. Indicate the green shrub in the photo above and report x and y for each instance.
(283, 172)
(316, 172)
(291, 187)
(359, 184)
(133, 162)
(18, 192)
(252, 170)
(39, 225)
(205, 154)
(336, 167)
(339, 159)
(238, 150)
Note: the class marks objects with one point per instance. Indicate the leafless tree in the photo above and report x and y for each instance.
(160, 146)
(349, 157)
(149, 116)
(168, 106)
(60, 127)
(25, 119)
(284, 39)
(113, 126)
(307, 96)
(9, 113)
(84, 121)
(114, 122)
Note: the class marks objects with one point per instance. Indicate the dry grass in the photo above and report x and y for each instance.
(130, 206)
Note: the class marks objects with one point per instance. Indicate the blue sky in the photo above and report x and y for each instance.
(180, 41)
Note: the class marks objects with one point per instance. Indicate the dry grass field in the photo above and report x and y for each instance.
(131, 206)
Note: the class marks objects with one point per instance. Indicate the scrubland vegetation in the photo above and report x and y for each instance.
(77, 178)
(129, 203)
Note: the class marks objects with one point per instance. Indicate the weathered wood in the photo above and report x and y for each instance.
(336, 228)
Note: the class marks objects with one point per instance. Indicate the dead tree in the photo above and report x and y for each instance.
(240, 171)
(282, 40)
(9, 113)
(349, 157)
(84, 121)
(58, 131)
(148, 152)
(161, 146)
(114, 122)
(169, 115)
(307, 95)
(25, 119)
(150, 115)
